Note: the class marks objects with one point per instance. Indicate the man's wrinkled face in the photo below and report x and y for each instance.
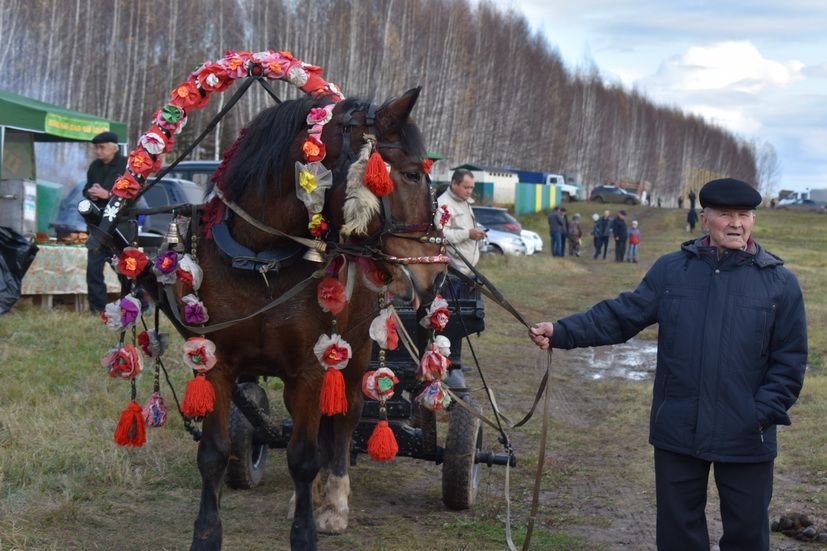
(105, 152)
(728, 228)
(464, 188)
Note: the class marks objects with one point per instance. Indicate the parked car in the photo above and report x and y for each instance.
(503, 242)
(806, 205)
(533, 241)
(613, 194)
(199, 172)
(496, 218)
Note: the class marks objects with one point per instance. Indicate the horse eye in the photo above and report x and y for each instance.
(412, 176)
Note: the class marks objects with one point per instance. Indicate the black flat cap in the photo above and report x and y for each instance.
(729, 193)
(105, 137)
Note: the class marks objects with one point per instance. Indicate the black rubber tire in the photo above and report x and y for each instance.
(598, 199)
(495, 250)
(248, 457)
(630, 201)
(460, 472)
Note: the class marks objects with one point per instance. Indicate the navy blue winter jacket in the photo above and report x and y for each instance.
(732, 348)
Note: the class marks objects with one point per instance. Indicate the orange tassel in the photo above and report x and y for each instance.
(131, 430)
(377, 178)
(333, 400)
(382, 444)
(199, 398)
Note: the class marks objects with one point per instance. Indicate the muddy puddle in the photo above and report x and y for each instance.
(633, 360)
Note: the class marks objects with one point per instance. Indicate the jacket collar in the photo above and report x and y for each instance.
(755, 253)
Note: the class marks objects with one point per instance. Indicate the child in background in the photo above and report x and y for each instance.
(634, 239)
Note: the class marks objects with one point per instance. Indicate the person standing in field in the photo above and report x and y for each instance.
(556, 229)
(574, 235)
(691, 220)
(601, 231)
(621, 233)
(732, 352)
(101, 175)
(634, 241)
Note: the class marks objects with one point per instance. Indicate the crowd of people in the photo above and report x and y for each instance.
(605, 229)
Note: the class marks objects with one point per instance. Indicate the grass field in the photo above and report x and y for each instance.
(65, 485)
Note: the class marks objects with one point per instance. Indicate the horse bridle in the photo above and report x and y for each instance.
(422, 232)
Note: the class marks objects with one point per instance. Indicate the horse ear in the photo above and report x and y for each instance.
(395, 112)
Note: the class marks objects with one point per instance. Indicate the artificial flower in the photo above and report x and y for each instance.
(169, 117)
(319, 115)
(155, 411)
(153, 141)
(184, 277)
(332, 351)
(307, 181)
(444, 216)
(331, 295)
(437, 316)
(426, 165)
(126, 186)
(123, 362)
(122, 313)
(132, 262)
(378, 384)
(313, 149)
(199, 353)
(297, 76)
(195, 313)
(153, 344)
(235, 64)
(317, 225)
(443, 344)
(434, 397)
(187, 264)
(167, 262)
(383, 330)
(212, 77)
(185, 95)
(141, 164)
(433, 366)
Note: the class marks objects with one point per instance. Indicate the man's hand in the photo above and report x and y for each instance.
(541, 334)
(475, 234)
(97, 192)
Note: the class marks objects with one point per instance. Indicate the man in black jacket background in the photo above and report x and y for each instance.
(732, 351)
(621, 234)
(101, 175)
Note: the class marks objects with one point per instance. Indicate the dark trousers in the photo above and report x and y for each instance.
(745, 490)
(95, 284)
(601, 242)
(620, 249)
(557, 247)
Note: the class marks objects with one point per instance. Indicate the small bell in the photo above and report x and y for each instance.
(314, 253)
(173, 239)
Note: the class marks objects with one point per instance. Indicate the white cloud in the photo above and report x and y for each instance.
(737, 66)
(736, 120)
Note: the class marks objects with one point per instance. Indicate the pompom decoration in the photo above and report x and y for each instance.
(199, 397)
(123, 362)
(132, 262)
(383, 330)
(377, 178)
(333, 353)
(382, 444)
(122, 313)
(195, 313)
(433, 366)
(434, 397)
(199, 354)
(131, 429)
(155, 411)
(331, 295)
(187, 264)
(444, 215)
(426, 165)
(378, 384)
(438, 315)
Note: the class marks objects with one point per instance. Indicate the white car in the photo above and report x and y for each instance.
(533, 241)
(503, 242)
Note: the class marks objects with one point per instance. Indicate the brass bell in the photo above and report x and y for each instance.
(314, 252)
(173, 239)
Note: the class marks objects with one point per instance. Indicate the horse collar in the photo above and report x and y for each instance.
(270, 260)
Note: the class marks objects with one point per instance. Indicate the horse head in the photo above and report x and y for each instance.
(396, 228)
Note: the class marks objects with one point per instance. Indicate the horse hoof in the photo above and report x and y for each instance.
(330, 521)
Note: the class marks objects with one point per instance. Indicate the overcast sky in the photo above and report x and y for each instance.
(757, 67)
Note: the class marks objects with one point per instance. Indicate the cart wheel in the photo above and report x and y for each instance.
(460, 472)
(247, 455)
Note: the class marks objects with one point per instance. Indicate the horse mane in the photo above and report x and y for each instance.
(258, 158)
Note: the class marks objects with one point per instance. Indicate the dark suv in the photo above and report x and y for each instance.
(497, 219)
(199, 172)
(613, 194)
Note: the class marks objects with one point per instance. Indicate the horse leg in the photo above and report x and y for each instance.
(213, 456)
(303, 459)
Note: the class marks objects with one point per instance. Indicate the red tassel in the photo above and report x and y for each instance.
(131, 430)
(333, 400)
(377, 178)
(199, 398)
(382, 444)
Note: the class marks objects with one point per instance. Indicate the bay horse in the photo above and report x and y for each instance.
(259, 177)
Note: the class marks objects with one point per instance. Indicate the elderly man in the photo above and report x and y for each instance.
(102, 173)
(456, 218)
(732, 350)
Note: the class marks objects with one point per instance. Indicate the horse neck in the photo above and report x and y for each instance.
(279, 209)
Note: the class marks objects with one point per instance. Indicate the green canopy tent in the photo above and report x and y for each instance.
(24, 122)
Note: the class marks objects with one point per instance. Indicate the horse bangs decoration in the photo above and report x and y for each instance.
(320, 212)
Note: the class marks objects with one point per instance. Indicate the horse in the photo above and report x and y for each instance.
(258, 178)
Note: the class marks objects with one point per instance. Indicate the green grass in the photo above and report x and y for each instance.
(65, 485)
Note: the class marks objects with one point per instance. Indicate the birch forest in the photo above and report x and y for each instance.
(494, 92)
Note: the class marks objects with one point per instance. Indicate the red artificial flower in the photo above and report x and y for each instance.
(335, 355)
(331, 295)
(184, 277)
(393, 335)
(143, 342)
(426, 165)
(439, 318)
(313, 149)
(132, 263)
(142, 164)
(126, 186)
(185, 95)
(123, 363)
